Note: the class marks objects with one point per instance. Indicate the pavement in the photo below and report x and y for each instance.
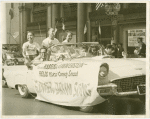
(13, 104)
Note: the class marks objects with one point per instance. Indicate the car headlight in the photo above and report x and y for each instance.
(104, 69)
(102, 75)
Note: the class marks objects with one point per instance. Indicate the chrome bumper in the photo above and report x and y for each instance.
(111, 89)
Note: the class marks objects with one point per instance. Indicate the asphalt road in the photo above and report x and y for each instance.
(13, 104)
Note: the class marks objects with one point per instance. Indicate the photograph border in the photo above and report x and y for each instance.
(89, 116)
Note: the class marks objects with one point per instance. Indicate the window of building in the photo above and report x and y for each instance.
(106, 32)
(12, 5)
(70, 10)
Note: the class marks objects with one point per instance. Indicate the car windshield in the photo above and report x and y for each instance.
(74, 50)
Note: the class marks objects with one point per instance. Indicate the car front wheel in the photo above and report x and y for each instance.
(86, 108)
(23, 90)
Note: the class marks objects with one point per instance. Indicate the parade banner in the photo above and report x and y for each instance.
(67, 83)
(133, 35)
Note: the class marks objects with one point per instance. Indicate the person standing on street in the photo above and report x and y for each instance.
(120, 50)
(49, 42)
(109, 50)
(142, 47)
(115, 50)
(30, 48)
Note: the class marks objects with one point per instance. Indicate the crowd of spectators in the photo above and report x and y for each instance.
(115, 50)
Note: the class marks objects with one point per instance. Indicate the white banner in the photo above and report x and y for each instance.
(67, 83)
(134, 34)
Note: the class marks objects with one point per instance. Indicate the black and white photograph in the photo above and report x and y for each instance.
(74, 58)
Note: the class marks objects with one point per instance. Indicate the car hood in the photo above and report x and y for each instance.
(120, 67)
(114, 62)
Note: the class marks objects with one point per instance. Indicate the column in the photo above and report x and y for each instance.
(115, 31)
(3, 22)
(31, 13)
(24, 18)
(55, 13)
(125, 41)
(61, 10)
(89, 9)
(115, 34)
(81, 14)
(49, 16)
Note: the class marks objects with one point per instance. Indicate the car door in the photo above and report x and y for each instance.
(20, 74)
(15, 75)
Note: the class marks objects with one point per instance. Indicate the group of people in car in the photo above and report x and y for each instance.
(32, 50)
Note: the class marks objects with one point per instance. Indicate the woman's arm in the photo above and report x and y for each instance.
(24, 49)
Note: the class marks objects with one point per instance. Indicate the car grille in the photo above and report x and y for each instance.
(129, 84)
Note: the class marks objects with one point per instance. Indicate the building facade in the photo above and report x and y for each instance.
(84, 20)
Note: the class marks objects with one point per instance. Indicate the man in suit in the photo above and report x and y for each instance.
(142, 47)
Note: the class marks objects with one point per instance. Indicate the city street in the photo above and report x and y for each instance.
(74, 54)
(13, 104)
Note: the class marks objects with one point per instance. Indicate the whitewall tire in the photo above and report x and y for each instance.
(86, 108)
(23, 90)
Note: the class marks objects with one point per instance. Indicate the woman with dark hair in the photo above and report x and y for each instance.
(68, 37)
(109, 50)
(30, 48)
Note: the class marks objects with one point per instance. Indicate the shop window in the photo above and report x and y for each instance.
(106, 32)
(104, 38)
(12, 5)
(39, 12)
(70, 10)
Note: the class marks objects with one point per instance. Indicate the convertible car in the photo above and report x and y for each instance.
(78, 79)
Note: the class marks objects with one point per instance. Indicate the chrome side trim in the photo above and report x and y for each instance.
(127, 93)
(107, 86)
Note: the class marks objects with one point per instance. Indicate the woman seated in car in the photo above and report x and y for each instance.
(109, 50)
(68, 37)
(30, 49)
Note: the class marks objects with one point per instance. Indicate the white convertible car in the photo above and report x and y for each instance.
(82, 81)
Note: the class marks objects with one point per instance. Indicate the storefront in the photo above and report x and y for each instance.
(86, 21)
(116, 28)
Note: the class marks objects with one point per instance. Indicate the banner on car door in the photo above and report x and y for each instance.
(70, 84)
